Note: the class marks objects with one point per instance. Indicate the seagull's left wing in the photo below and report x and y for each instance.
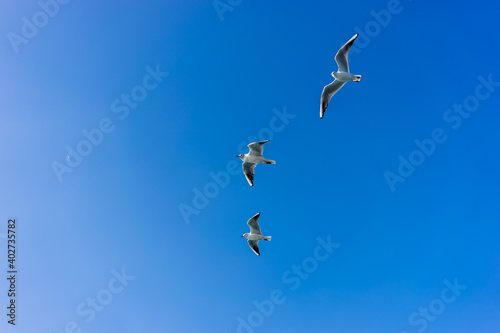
(341, 57)
(253, 223)
(326, 96)
(256, 148)
(254, 246)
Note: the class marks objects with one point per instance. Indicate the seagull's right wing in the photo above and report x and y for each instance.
(326, 96)
(254, 246)
(249, 170)
(256, 148)
(341, 57)
(253, 223)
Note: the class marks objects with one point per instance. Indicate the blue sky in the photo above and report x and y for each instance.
(112, 241)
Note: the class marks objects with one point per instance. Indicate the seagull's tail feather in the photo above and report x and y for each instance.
(358, 78)
(270, 162)
(267, 238)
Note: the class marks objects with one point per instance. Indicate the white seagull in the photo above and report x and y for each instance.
(341, 77)
(255, 234)
(251, 159)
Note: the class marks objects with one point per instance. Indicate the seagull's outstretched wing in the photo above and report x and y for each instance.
(341, 57)
(253, 223)
(249, 170)
(254, 246)
(326, 96)
(256, 148)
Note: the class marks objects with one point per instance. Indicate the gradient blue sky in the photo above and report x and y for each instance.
(119, 208)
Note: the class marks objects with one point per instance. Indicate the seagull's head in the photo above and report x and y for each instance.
(333, 74)
(241, 156)
(245, 235)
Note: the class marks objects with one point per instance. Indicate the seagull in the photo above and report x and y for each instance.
(255, 234)
(251, 159)
(341, 77)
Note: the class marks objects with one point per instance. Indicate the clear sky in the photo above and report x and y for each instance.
(120, 125)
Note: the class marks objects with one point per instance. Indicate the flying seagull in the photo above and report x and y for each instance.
(341, 77)
(251, 159)
(255, 234)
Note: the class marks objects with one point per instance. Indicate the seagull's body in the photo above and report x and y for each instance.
(255, 234)
(341, 77)
(253, 158)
